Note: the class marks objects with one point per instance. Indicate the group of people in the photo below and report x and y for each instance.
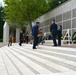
(56, 30)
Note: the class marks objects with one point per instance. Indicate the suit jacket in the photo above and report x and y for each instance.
(53, 28)
(35, 30)
(21, 36)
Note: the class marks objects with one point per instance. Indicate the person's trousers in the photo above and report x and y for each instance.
(20, 42)
(59, 40)
(35, 41)
(54, 39)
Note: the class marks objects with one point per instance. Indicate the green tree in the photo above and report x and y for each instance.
(23, 12)
(1, 21)
(55, 3)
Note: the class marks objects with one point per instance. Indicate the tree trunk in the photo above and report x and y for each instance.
(31, 25)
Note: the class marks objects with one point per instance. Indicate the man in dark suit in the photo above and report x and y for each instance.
(21, 38)
(53, 30)
(35, 34)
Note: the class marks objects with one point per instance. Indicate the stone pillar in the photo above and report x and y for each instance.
(17, 34)
(5, 32)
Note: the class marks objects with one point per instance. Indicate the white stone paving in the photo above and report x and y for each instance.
(9, 65)
(2, 66)
(45, 60)
(56, 66)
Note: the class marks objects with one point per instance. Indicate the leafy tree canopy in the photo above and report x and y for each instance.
(22, 12)
(55, 3)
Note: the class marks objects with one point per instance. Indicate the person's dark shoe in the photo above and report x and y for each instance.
(59, 45)
(55, 45)
(8, 45)
(20, 44)
(37, 44)
(34, 48)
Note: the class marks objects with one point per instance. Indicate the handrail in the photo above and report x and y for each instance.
(67, 35)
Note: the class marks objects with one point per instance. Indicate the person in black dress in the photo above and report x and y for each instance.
(59, 34)
(21, 38)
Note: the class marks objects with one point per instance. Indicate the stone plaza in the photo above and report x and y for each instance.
(45, 60)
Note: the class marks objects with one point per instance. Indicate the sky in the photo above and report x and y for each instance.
(1, 2)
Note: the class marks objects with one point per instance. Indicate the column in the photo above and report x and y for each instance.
(17, 34)
(5, 32)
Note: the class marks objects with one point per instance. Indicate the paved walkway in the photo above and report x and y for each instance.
(2, 44)
(50, 43)
(45, 60)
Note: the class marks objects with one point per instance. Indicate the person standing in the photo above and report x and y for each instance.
(59, 34)
(27, 36)
(53, 30)
(40, 35)
(35, 34)
(10, 41)
(21, 38)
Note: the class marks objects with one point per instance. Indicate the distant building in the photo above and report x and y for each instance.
(65, 15)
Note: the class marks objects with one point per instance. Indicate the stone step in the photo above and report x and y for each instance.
(3, 69)
(46, 60)
(66, 50)
(10, 66)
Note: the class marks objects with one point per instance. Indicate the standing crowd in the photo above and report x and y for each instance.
(55, 30)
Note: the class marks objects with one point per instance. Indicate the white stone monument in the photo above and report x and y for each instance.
(5, 32)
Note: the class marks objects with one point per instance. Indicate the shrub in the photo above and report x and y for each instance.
(1, 40)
